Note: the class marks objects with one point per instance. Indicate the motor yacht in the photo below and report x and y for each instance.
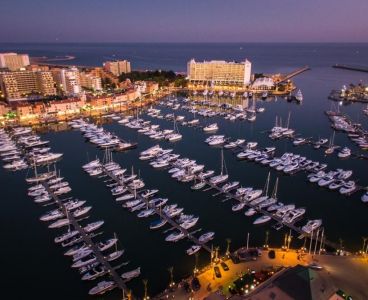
(174, 237)
(262, 220)
(204, 238)
(312, 225)
(193, 249)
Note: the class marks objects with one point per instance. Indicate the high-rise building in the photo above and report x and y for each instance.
(13, 61)
(117, 67)
(219, 72)
(90, 81)
(68, 80)
(19, 85)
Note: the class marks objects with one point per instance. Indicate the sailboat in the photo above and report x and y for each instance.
(223, 175)
(175, 136)
(331, 147)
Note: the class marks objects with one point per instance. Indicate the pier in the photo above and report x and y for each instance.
(87, 239)
(175, 225)
(294, 73)
(291, 226)
(351, 68)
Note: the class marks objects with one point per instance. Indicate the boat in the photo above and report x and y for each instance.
(94, 273)
(198, 185)
(312, 225)
(131, 274)
(238, 206)
(158, 223)
(211, 128)
(102, 287)
(223, 176)
(250, 212)
(299, 96)
(364, 197)
(344, 153)
(204, 238)
(174, 237)
(93, 226)
(262, 220)
(193, 249)
(293, 215)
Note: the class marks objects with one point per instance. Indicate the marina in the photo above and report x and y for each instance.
(342, 217)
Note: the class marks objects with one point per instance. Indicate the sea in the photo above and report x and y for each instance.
(33, 265)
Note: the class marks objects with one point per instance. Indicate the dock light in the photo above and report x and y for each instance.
(246, 291)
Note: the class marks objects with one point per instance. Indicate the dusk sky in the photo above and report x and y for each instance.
(184, 21)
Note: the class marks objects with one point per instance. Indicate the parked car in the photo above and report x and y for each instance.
(217, 272)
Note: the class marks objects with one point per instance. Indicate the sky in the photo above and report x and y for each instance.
(183, 21)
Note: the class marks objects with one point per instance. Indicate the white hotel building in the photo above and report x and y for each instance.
(218, 72)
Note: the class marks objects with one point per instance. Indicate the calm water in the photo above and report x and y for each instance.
(28, 252)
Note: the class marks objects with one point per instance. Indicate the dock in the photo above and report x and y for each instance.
(175, 225)
(351, 68)
(294, 73)
(292, 226)
(87, 239)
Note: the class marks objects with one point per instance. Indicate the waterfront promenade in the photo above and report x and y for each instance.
(348, 273)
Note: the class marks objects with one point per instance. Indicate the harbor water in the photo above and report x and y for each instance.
(35, 265)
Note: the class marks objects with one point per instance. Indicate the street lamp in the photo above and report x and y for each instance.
(266, 240)
(195, 271)
(228, 241)
(145, 282)
(172, 283)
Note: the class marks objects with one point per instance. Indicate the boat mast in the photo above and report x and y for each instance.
(275, 188)
(265, 190)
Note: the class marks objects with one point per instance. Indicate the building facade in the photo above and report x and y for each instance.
(68, 81)
(117, 67)
(90, 81)
(19, 85)
(13, 61)
(219, 72)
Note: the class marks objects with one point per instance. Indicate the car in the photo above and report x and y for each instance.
(224, 266)
(196, 284)
(186, 287)
(315, 266)
(271, 254)
(217, 272)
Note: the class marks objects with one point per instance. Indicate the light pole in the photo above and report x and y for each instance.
(145, 282)
(247, 240)
(172, 283)
(364, 241)
(266, 240)
(196, 263)
(228, 241)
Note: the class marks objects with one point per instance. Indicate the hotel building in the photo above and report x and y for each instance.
(68, 81)
(13, 61)
(217, 72)
(117, 67)
(19, 85)
(90, 81)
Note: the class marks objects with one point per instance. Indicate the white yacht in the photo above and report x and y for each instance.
(204, 238)
(102, 287)
(193, 249)
(262, 219)
(174, 237)
(293, 215)
(250, 212)
(312, 225)
(344, 153)
(131, 274)
(211, 128)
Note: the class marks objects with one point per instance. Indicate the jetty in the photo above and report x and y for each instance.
(351, 68)
(87, 239)
(162, 215)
